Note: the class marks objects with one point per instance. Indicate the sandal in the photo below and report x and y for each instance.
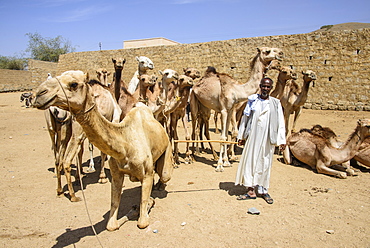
(245, 197)
(267, 198)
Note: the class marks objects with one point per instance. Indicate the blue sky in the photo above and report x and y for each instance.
(85, 23)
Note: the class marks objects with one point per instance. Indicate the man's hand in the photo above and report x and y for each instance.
(241, 142)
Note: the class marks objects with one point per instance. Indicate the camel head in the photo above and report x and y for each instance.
(67, 91)
(286, 73)
(267, 54)
(169, 75)
(192, 72)
(363, 128)
(274, 65)
(145, 63)
(146, 80)
(309, 76)
(118, 63)
(185, 81)
(102, 75)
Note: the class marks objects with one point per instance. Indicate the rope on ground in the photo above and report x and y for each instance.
(206, 141)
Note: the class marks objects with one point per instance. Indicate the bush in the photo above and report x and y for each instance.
(12, 63)
(327, 27)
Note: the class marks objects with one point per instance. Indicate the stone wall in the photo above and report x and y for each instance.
(18, 80)
(340, 59)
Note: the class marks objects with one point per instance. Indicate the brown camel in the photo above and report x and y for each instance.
(293, 98)
(185, 84)
(138, 145)
(115, 87)
(285, 74)
(315, 151)
(146, 87)
(222, 93)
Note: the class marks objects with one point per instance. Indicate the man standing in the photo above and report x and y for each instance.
(261, 129)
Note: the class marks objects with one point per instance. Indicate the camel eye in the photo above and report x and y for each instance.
(73, 85)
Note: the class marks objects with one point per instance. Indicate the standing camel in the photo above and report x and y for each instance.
(221, 93)
(138, 145)
(293, 98)
(285, 74)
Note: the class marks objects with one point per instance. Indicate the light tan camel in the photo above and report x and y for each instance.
(138, 145)
(146, 86)
(293, 98)
(59, 125)
(185, 84)
(225, 95)
(103, 75)
(315, 151)
(285, 74)
(144, 64)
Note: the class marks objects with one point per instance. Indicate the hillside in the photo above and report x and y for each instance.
(343, 26)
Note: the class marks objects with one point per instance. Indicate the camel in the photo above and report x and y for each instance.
(363, 154)
(103, 75)
(146, 86)
(222, 93)
(115, 87)
(185, 84)
(27, 98)
(59, 125)
(138, 145)
(315, 151)
(293, 98)
(285, 74)
(144, 65)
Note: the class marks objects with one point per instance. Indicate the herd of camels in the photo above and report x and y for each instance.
(135, 125)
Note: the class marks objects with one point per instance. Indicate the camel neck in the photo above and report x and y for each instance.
(117, 83)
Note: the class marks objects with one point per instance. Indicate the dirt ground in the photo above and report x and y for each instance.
(198, 208)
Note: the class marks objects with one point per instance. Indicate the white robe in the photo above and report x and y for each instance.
(256, 160)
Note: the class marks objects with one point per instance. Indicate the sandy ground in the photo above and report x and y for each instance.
(198, 208)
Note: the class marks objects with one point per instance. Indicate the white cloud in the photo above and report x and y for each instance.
(81, 14)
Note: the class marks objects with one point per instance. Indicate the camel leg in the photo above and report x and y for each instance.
(286, 120)
(215, 118)
(206, 133)
(91, 164)
(223, 160)
(346, 166)
(164, 168)
(287, 155)
(64, 137)
(187, 137)
(323, 169)
(297, 113)
(194, 120)
(102, 176)
(234, 135)
(146, 201)
(116, 189)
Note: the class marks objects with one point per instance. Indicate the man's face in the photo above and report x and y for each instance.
(265, 87)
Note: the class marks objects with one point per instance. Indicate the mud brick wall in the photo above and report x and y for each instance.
(340, 59)
(40, 69)
(18, 80)
(15, 80)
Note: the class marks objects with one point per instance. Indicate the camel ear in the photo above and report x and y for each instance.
(160, 72)
(258, 50)
(137, 58)
(124, 61)
(138, 76)
(113, 60)
(108, 73)
(184, 69)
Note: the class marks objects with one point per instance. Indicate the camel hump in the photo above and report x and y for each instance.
(211, 71)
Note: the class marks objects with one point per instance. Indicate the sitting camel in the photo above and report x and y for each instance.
(144, 65)
(363, 154)
(138, 145)
(294, 97)
(315, 151)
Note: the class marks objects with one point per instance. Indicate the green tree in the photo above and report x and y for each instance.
(12, 63)
(47, 49)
